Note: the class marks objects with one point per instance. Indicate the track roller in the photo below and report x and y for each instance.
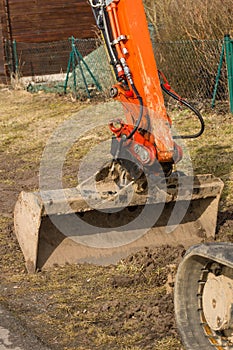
(204, 297)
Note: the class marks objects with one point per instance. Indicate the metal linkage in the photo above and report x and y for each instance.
(95, 3)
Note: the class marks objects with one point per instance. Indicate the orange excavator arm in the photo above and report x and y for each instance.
(106, 222)
(147, 137)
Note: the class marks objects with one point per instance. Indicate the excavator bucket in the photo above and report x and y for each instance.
(79, 225)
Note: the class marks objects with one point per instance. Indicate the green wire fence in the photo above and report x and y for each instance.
(227, 49)
(191, 67)
(75, 62)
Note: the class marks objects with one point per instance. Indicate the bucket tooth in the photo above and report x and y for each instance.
(59, 226)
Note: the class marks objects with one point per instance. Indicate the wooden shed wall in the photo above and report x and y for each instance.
(2, 60)
(42, 21)
(50, 20)
(2, 71)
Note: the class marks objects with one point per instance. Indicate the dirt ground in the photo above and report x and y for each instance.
(85, 307)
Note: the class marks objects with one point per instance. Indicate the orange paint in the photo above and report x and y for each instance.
(129, 19)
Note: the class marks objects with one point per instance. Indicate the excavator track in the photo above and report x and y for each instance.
(204, 297)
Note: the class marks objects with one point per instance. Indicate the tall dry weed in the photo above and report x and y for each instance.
(187, 19)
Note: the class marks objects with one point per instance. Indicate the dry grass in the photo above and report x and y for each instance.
(184, 19)
(212, 153)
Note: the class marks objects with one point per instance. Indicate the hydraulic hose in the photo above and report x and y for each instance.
(115, 59)
(107, 39)
(198, 114)
(140, 111)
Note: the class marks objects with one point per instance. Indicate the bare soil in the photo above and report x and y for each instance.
(81, 307)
